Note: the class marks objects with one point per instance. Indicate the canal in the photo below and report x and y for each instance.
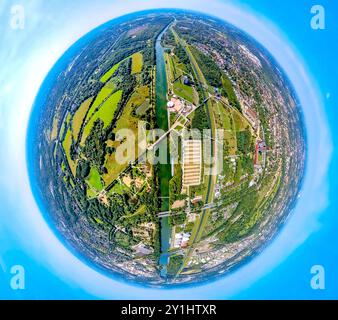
(164, 168)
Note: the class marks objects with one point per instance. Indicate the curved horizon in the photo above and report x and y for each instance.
(314, 144)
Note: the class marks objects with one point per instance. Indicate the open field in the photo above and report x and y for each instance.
(137, 63)
(102, 95)
(224, 120)
(175, 71)
(94, 179)
(62, 130)
(139, 98)
(184, 91)
(105, 113)
(54, 132)
(169, 67)
(119, 188)
(126, 121)
(110, 73)
(239, 121)
(230, 143)
(66, 144)
(68, 118)
(79, 117)
(223, 116)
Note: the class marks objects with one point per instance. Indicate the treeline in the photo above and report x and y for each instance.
(200, 120)
(215, 77)
(148, 63)
(175, 184)
(245, 142)
(235, 231)
(229, 92)
(125, 82)
(101, 216)
(177, 219)
(95, 147)
(181, 54)
(175, 263)
(209, 68)
(168, 39)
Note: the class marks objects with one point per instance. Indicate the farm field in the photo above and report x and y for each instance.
(54, 132)
(66, 144)
(110, 73)
(105, 113)
(126, 121)
(137, 63)
(79, 117)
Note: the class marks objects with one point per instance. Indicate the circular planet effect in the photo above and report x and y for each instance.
(230, 149)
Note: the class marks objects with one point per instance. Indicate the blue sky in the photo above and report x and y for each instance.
(283, 269)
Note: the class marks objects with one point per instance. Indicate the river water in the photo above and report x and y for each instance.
(164, 169)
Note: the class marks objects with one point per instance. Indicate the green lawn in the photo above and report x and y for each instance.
(69, 117)
(105, 113)
(119, 188)
(169, 67)
(184, 91)
(94, 179)
(90, 193)
(110, 73)
(102, 95)
(137, 63)
(240, 122)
